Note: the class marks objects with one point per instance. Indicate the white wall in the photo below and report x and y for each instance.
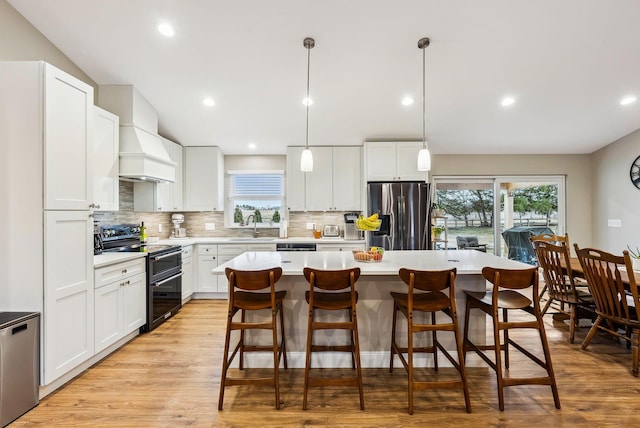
(576, 168)
(20, 41)
(614, 196)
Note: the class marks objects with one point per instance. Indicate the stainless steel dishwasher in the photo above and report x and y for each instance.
(19, 364)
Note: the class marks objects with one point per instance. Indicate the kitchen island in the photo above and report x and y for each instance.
(375, 305)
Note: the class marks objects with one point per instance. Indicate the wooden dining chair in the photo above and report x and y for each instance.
(429, 292)
(506, 295)
(332, 291)
(246, 293)
(554, 261)
(616, 300)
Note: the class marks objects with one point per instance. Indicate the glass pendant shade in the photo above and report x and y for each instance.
(306, 161)
(424, 160)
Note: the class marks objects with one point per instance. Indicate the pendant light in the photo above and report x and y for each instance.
(424, 157)
(306, 160)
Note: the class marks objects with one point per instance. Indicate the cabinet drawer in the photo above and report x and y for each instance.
(203, 250)
(261, 247)
(187, 252)
(231, 249)
(119, 271)
(339, 247)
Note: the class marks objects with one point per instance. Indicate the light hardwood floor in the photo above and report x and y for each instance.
(170, 377)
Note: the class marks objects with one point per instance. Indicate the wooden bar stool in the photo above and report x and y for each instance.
(333, 299)
(432, 299)
(504, 296)
(245, 295)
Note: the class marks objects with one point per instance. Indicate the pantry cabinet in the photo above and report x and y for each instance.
(106, 148)
(159, 197)
(46, 126)
(203, 179)
(393, 161)
(334, 184)
(120, 301)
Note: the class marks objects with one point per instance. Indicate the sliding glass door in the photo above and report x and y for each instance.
(481, 209)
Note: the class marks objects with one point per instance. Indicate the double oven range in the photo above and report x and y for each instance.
(164, 269)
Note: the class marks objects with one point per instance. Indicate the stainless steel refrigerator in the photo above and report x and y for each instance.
(404, 210)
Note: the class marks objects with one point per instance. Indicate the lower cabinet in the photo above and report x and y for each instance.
(339, 247)
(120, 301)
(207, 260)
(187, 272)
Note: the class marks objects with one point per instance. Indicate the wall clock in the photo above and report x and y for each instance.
(635, 172)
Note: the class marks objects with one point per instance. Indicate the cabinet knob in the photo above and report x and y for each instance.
(124, 271)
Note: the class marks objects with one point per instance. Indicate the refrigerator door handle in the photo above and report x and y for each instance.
(401, 221)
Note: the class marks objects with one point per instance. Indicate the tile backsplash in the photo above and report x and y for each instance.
(195, 221)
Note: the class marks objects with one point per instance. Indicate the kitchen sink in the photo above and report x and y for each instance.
(252, 239)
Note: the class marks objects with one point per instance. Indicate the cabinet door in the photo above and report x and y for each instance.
(207, 282)
(347, 178)
(187, 278)
(134, 302)
(407, 161)
(295, 180)
(204, 180)
(68, 117)
(380, 161)
(319, 188)
(176, 156)
(68, 292)
(105, 160)
(108, 322)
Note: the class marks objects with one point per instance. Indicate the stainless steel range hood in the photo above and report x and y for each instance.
(143, 157)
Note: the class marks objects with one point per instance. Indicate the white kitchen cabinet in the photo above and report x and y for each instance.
(296, 180)
(120, 301)
(207, 260)
(68, 122)
(158, 197)
(46, 126)
(203, 179)
(187, 272)
(106, 193)
(334, 184)
(343, 246)
(393, 161)
(68, 321)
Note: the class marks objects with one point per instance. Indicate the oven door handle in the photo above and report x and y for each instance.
(164, 256)
(158, 284)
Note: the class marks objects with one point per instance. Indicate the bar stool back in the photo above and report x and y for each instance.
(504, 295)
(326, 292)
(431, 300)
(245, 295)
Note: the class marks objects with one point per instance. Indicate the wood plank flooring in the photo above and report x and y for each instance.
(170, 377)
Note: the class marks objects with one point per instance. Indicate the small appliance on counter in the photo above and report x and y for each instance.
(331, 231)
(350, 230)
(178, 232)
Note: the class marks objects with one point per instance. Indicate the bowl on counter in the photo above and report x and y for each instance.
(374, 255)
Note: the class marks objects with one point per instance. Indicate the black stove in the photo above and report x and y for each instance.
(125, 238)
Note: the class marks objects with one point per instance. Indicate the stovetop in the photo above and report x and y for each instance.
(140, 248)
(125, 238)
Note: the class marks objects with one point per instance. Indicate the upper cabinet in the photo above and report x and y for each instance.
(157, 197)
(68, 119)
(334, 184)
(203, 179)
(393, 161)
(105, 160)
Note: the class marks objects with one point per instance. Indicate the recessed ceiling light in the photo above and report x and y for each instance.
(166, 29)
(630, 99)
(252, 146)
(407, 101)
(307, 101)
(208, 102)
(507, 101)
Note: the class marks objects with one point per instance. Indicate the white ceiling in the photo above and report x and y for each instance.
(567, 62)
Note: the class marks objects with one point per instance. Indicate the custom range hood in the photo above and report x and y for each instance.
(143, 156)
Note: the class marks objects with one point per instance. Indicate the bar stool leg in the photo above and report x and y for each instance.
(358, 362)
(225, 362)
(434, 342)
(393, 337)
(283, 337)
(505, 317)
(307, 365)
(496, 338)
(547, 360)
(242, 320)
(276, 359)
(353, 358)
(461, 362)
(410, 360)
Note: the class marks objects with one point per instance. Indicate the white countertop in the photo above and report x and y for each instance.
(106, 259)
(292, 263)
(250, 240)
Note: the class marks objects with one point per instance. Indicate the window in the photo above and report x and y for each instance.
(257, 193)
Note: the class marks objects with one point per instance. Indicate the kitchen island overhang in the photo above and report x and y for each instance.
(375, 305)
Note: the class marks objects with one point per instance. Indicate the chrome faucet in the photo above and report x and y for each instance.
(255, 225)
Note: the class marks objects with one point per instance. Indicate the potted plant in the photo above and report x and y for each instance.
(436, 231)
(275, 217)
(436, 210)
(237, 216)
(635, 257)
(258, 215)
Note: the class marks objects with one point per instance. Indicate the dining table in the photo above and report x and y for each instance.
(577, 271)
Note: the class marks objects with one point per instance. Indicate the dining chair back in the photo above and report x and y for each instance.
(616, 300)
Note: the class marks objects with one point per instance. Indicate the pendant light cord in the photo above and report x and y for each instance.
(308, 101)
(424, 109)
